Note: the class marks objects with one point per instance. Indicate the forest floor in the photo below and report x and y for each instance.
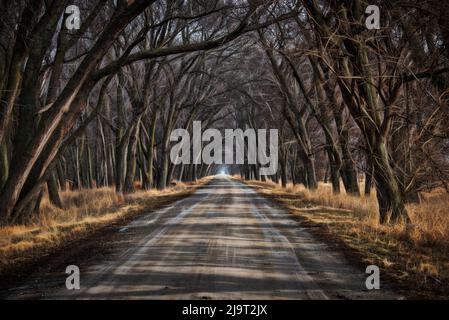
(415, 259)
(86, 213)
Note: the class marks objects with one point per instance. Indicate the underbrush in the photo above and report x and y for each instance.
(84, 211)
(415, 256)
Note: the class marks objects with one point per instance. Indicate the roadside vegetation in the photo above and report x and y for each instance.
(415, 256)
(84, 212)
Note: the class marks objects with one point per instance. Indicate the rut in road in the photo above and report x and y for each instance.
(223, 242)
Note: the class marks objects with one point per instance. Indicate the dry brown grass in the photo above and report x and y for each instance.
(84, 212)
(416, 257)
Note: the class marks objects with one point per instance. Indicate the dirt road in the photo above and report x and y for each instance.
(223, 242)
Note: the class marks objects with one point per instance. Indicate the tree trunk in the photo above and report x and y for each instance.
(150, 173)
(390, 198)
(53, 190)
(131, 161)
(61, 175)
(369, 175)
(334, 172)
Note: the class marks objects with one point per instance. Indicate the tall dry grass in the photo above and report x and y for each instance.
(416, 255)
(83, 211)
(430, 217)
